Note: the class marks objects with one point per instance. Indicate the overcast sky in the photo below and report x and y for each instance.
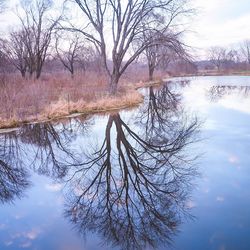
(217, 23)
(220, 23)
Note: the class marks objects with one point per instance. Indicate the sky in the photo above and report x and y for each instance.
(216, 23)
(219, 23)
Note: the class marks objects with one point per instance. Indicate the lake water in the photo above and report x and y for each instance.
(173, 173)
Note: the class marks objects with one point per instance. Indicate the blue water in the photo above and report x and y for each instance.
(171, 174)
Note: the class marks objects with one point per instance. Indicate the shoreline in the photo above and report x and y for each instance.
(215, 73)
(63, 109)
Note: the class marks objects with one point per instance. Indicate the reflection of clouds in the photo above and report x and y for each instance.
(234, 100)
(19, 216)
(60, 200)
(220, 199)
(26, 244)
(197, 92)
(56, 187)
(217, 236)
(33, 234)
(236, 184)
(191, 204)
(2, 226)
(237, 103)
(25, 237)
(233, 159)
(8, 243)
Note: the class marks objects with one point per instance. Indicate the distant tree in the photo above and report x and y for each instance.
(16, 51)
(169, 47)
(126, 20)
(217, 56)
(37, 28)
(245, 51)
(232, 59)
(68, 55)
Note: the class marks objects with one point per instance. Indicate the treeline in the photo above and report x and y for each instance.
(107, 36)
(227, 59)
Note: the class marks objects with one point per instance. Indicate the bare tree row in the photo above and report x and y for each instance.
(118, 32)
(230, 58)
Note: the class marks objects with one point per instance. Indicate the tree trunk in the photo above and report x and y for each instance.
(38, 73)
(113, 83)
(151, 73)
(23, 73)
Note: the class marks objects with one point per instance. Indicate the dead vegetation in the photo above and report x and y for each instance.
(58, 95)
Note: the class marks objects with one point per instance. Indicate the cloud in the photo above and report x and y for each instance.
(191, 204)
(26, 244)
(220, 199)
(53, 187)
(8, 243)
(236, 102)
(233, 159)
(32, 234)
(219, 23)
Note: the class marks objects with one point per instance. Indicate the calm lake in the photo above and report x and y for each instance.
(173, 173)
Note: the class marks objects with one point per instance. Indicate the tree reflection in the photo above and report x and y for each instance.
(48, 149)
(133, 190)
(42, 147)
(215, 93)
(157, 113)
(13, 176)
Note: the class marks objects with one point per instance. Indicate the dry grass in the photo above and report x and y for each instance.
(59, 95)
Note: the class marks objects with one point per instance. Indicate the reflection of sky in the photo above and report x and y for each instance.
(220, 202)
(222, 197)
(35, 221)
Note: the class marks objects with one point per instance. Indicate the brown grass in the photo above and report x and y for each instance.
(54, 96)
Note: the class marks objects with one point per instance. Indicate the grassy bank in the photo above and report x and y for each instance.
(52, 97)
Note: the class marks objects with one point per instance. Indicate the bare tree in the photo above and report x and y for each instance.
(169, 47)
(69, 55)
(38, 29)
(232, 59)
(16, 51)
(125, 21)
(217, 55)
(89, 57)
(245, 51)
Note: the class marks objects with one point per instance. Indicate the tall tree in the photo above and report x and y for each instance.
(113, 26)
(37, 28)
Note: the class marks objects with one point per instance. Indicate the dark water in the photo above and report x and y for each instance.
(171, 174)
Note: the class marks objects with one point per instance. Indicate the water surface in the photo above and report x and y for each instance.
(171, 174)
